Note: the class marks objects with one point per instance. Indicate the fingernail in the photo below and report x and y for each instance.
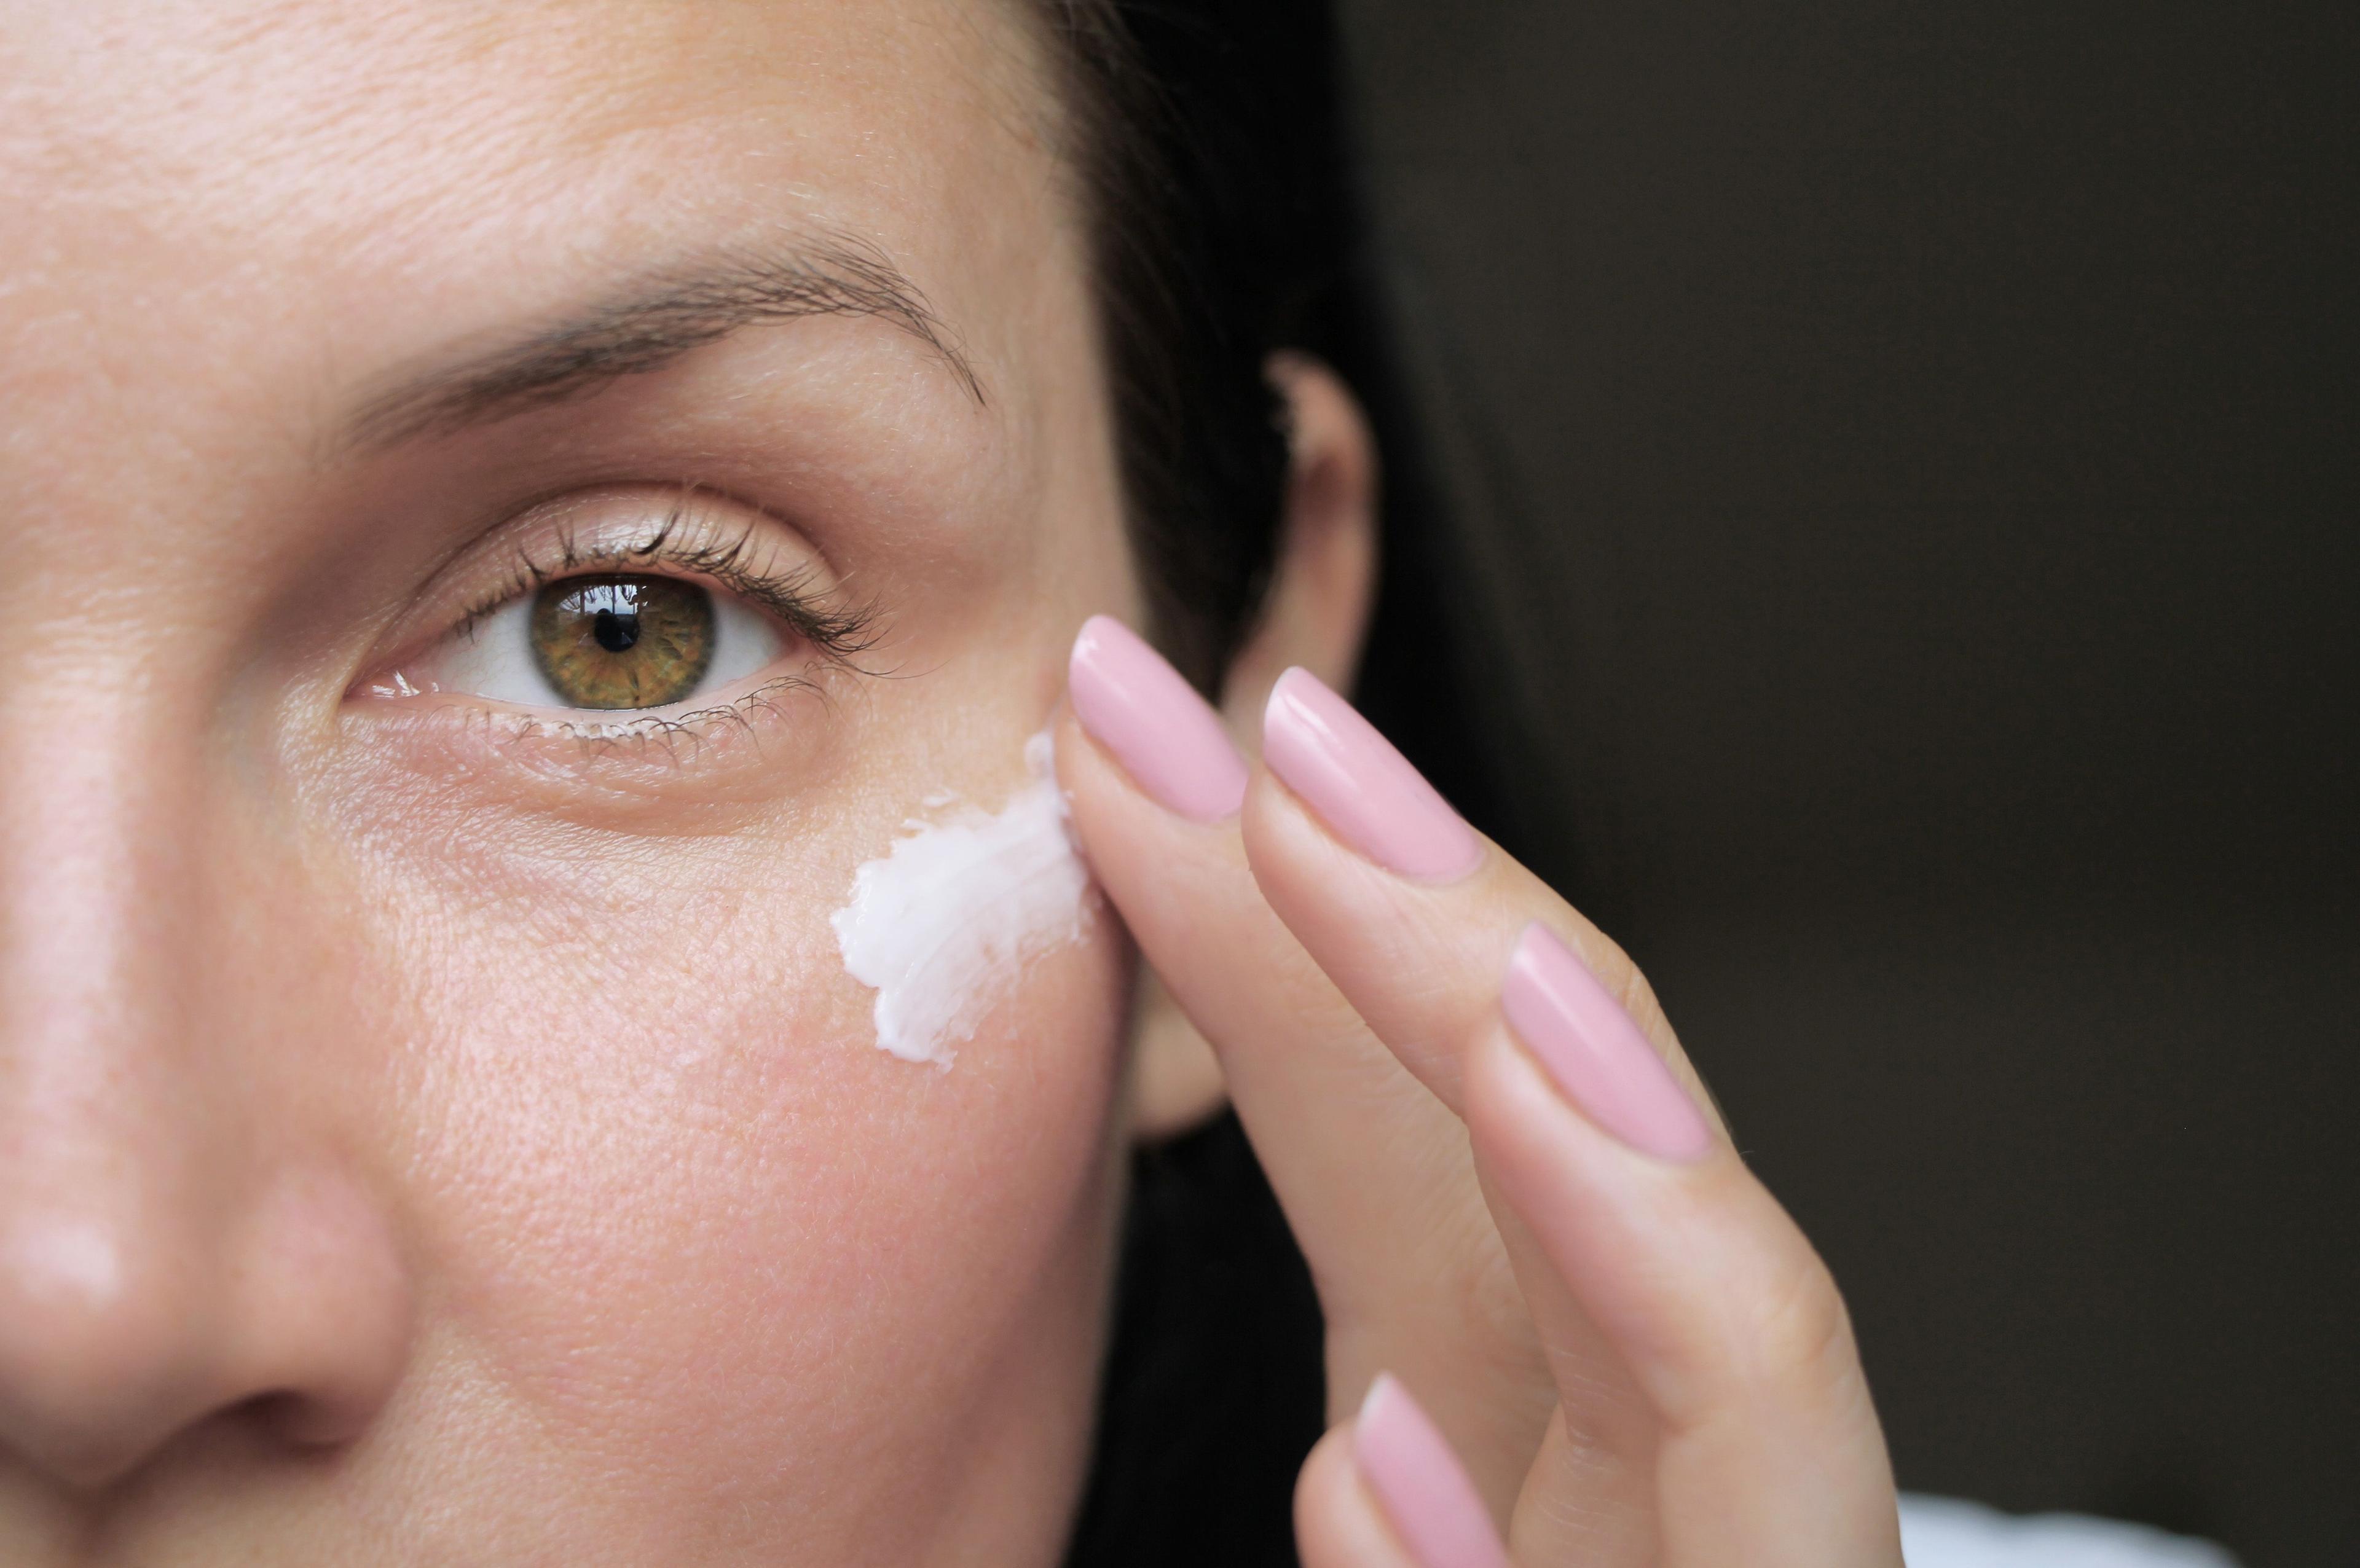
(1166, 738)
(1360, 785)
(1418, 1482)
(1595, 1052)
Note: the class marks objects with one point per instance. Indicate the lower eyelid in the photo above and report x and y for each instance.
(729, 759)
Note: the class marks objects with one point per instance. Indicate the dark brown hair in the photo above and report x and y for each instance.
(1221, 220)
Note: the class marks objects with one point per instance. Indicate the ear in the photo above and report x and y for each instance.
(1315, 614)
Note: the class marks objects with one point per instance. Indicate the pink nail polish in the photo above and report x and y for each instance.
(1360, 786)
(1166, 737)
(1418, 1482)
(1595, 1052)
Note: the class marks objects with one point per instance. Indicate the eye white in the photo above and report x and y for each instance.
(494, 657)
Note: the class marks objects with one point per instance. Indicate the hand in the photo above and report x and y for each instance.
(1515, 1196)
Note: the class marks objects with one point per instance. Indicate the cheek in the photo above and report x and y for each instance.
(674, 1204)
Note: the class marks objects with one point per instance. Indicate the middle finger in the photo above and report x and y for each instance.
(1376, 1177)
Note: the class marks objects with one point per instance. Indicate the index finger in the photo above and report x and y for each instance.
(1375, 1174)
(1356, 883)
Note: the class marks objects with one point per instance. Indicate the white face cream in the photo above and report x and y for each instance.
(949, 918)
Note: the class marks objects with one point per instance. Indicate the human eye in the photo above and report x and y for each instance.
(604, 641)
(601, 614)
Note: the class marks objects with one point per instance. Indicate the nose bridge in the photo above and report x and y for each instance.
(186, 1229)
(99, 830)
(111, 1137)
(95, 833)
(183, 1233)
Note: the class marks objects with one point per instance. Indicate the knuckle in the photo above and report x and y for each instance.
(1799, 1341)
(1497, 1321)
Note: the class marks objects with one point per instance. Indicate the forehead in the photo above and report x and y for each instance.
(391, 173)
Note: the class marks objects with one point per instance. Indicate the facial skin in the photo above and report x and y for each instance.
(429, 1132)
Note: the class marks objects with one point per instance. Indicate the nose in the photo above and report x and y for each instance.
(187, 1250)
(118, 1335)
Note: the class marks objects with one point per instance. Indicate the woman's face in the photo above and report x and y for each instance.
(435, 1125)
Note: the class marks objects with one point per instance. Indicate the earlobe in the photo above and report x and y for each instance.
(1315, 615)
(1175, 1080)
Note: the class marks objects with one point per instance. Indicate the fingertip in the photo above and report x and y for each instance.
(1338, 1523)
(1419, 1484)
(1090, 647)
(1595, 1053)
(1131, 700)
(1361, 787)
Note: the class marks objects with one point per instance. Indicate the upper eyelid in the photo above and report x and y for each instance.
(688, 540)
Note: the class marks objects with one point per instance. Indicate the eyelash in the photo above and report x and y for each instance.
(640, 737)
(840, 633)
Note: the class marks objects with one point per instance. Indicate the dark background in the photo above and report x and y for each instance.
(1904, 457)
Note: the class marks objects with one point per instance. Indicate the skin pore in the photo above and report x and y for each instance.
(436, 1130)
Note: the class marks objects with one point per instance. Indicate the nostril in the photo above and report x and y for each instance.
(291, 1419)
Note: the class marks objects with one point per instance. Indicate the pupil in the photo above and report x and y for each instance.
(616, 632)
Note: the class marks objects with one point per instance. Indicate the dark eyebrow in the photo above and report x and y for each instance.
(649, 327)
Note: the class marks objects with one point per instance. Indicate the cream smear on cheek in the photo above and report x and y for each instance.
(945, 923)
